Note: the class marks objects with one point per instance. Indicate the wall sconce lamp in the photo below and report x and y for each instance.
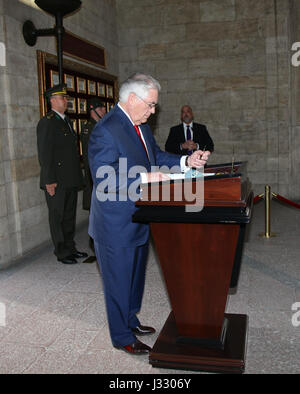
(58, 9)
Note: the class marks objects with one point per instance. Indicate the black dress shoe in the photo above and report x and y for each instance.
(143, 330)
(90, 259)
(136, 347)
(68, 260)
(79, 255)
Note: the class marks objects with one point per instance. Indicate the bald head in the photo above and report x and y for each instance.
(187, 115)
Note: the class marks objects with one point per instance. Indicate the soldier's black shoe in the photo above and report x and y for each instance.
(68, 260)
(79, 255)
(90, 259)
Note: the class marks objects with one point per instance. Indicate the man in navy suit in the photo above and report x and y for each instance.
(122, 150)
(188, 136)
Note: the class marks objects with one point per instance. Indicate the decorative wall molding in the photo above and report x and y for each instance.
(82, 49)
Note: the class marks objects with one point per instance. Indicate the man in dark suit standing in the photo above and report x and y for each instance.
(122, 151)
(188, 136)
(61, 175)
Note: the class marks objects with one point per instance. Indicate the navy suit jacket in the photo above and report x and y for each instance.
(177, 137)
(114, 149)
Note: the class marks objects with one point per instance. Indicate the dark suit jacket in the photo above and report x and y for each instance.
(58, 153)
(200, 136)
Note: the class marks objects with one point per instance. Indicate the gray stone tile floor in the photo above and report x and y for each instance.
(55, 321)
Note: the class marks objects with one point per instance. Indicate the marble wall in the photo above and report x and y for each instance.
(294, 100)
(229, 60)
(23, 212)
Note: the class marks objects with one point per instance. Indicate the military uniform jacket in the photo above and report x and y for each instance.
(58, 153)
(85, 136)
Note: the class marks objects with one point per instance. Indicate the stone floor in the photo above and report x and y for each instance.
(55, 321)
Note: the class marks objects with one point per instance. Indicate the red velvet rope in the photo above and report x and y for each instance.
(257, 198)
(280, 198)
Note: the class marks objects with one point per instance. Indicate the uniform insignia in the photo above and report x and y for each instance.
(50, 115)
(85, 127)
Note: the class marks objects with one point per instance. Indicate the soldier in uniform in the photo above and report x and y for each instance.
(97, 110)
(61, 175)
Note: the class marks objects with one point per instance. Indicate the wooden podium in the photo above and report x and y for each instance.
(200, 256)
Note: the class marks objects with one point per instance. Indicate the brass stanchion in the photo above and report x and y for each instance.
(267, 233)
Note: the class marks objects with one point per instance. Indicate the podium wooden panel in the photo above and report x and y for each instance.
(200, 255)
(168, 353)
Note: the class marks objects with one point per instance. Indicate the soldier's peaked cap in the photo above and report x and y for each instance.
(95, 103)
(56, 90)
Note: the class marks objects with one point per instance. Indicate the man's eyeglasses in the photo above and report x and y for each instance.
(150, 105)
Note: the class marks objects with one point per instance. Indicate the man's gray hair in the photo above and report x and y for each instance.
(138, 83)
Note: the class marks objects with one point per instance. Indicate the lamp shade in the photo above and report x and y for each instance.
(54, 7)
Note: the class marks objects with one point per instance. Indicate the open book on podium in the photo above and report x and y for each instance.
(198, 227)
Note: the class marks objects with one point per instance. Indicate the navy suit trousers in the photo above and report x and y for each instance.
(123, 275)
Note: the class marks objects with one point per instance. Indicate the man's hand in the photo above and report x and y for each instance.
(51, 189)
(157, 177)
(189, 145)
(198, 158)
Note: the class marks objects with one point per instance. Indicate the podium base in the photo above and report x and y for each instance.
(168, 353)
